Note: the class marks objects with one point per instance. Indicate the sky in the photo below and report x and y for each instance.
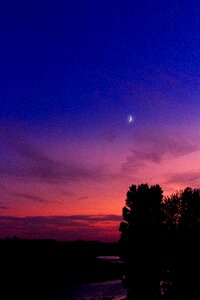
(72, 73)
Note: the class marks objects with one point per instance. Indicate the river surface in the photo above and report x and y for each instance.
(106, 290)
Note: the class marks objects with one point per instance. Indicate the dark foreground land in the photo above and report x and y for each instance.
(37, 269)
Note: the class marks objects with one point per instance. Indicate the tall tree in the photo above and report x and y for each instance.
(140, 239)
(188, 245)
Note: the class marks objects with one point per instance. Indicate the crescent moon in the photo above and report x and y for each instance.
(130, 119)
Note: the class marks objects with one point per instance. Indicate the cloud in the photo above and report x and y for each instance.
(4, 188)
(67, 193)
(68, 221)
(89, 227)
(26, 195)
(155, 146)
(4, 207)
(185, 178)
(110, 137)
(31, 162)
(34, 198)
(82, 198)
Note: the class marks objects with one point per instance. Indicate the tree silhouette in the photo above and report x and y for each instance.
(140, 240)
(181, 237)
(188, 248)
(160, 242)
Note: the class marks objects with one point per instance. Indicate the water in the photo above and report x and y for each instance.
(109, 258)
(107, 290)
(112, 259)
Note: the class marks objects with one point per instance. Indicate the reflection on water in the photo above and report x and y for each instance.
(95, 291)
(112, 259)
(109, 258)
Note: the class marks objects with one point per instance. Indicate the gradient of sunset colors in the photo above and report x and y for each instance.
(72, 73)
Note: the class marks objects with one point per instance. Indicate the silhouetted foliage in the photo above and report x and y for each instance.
(140, 235)
(160, 243)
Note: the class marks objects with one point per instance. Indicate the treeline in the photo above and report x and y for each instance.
(160, 243)
(38, 269)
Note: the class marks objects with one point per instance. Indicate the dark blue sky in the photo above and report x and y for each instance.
(60, 58)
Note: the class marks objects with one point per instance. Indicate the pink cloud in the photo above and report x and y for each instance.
(89, 227)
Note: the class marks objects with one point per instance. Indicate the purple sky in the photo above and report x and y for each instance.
(71, 75)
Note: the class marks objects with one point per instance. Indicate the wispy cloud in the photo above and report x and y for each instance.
(34, 198)
(4, 207)
(185, 178)
(68, 193)
(3, 188)
(82, 198)
(28, 196)
(99, 227)
(155, 146)
(110, 137)
(70, 220)
(32, 162)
